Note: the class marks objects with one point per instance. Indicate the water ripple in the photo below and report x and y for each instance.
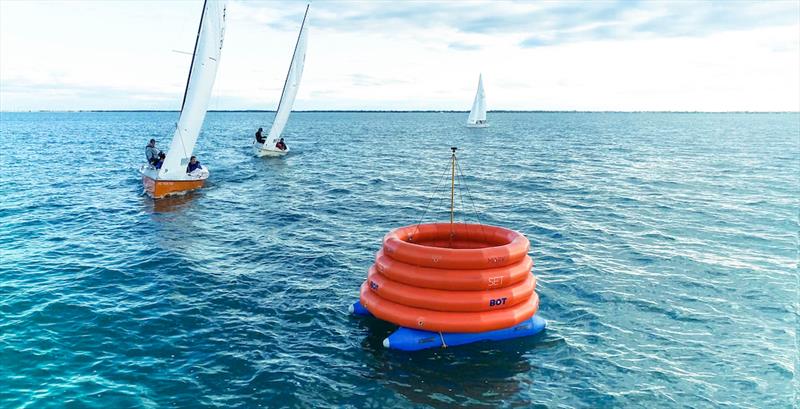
(665, 247)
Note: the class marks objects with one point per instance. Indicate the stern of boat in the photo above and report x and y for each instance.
(261, 153)
(159, 188)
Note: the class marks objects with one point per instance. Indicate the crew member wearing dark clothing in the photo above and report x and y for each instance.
(281, 145)
(194, 164)
(259, 137)
(151, 153)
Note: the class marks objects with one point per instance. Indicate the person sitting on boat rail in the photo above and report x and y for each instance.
(151, 152)
(194, 164)
(259, 137)
(281, 145)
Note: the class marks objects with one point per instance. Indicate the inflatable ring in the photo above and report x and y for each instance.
(454, 301)
(456, 280)
(442, 245)
(441, 321)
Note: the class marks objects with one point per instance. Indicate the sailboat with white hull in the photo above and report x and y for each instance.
(477, 116)
(290, 87)
(172, 177)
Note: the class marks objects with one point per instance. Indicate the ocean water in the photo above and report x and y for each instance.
(665, 246)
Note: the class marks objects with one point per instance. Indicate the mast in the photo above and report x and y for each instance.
(452, 194)
(199, 85)
(196, 41)
(453, 187)
(291, 63)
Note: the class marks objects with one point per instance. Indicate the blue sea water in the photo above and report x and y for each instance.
(665, 246)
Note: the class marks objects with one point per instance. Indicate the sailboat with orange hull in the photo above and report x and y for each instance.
(172, 176)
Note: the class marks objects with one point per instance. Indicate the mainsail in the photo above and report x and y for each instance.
(203, 71)
(290, 87)
(478, 112)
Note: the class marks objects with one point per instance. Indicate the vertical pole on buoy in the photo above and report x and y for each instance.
(452, 190)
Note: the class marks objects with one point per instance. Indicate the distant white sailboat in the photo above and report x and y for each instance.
(172, 177)
(290, 87)
(477, 116)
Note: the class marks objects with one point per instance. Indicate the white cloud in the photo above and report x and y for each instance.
(365, 56)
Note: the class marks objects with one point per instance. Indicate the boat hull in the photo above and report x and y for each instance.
(477, 125)
(160, 188)
(268, 153)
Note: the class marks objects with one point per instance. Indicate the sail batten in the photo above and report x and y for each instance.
(478, 113)
(290, 87)
(199, 84)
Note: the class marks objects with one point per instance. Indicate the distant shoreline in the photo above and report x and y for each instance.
(431, 111)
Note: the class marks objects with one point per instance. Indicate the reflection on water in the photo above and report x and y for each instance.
(173, 203)
(484, 374)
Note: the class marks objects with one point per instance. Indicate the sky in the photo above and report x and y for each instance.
(413, 55)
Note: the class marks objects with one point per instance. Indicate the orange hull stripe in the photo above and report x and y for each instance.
(161, 188)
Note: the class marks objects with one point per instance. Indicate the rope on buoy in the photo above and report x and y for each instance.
(462, 181)
(444, 345)
(433, 195)
(456, 174)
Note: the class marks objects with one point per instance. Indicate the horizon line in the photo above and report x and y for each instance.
(408, 111)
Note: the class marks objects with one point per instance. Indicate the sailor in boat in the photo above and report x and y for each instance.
(281, 145)
(151, 152)
(259, 137)
(194, 164)
(155, 157)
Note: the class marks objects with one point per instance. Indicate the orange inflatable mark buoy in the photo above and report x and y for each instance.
(452, 278)
(454, 301)
(426, 245)
(441, 321)
(458, 280)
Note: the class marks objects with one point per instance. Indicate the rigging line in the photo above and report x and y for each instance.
(461, 200)
(463, 185)
(462, 182)
(464, 213)
(433, 195)
(472, 199)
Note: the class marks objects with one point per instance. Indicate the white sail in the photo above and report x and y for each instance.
(478, 112)
(290, 87)
(203, 71)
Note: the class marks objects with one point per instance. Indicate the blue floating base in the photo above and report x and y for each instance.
(407, 339)
(359, 310)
